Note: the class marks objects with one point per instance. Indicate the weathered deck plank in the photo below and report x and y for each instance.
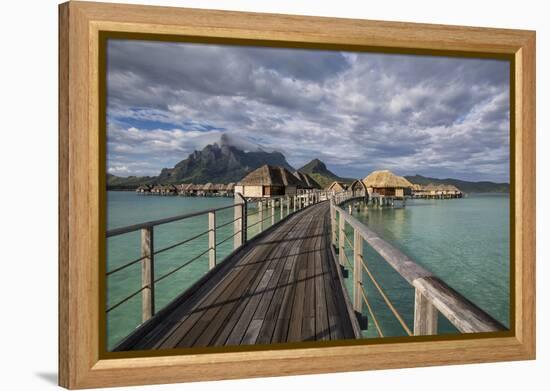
(283, 288)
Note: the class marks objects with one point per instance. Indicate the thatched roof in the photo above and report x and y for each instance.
(336, 183)
(230, 186)
(268, 175)
(386, 179)
(452, 188)
(144, 187)
(430, 187)
(309, 182)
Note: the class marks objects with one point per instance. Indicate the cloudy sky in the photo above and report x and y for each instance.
(357, 112)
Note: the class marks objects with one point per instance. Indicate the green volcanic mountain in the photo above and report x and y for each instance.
(216, 163)
(319, 171)
(220, 164)
(465, 186)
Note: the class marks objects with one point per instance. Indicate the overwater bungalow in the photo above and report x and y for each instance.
(430, 191)
(358, 188)
(144, 189)
(230, 189)
(268, 181)
(418, 191)
(192, 189)
(168, 190)
(156, 189)
(453, 192)
(386, 183)
(206, 189)
(308, 183)
(337, 187)
(181, 188)
(437, 191)
(220, 188)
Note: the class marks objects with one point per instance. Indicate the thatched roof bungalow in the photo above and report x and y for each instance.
(156, 189)
(307, 181)
(268, 181)
(168, 189)
(386, 183)
(419, 190)
(431, 189)
(453, 190)
(181, 187)
(337, 187)
(208, 187)
(143, 189)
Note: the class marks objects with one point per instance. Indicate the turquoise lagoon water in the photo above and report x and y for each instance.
(463, 241)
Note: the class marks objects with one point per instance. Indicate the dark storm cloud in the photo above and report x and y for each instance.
(356, 111)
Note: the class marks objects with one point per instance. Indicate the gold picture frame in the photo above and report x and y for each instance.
(83, 26)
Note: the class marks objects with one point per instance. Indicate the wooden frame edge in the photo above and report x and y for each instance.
(79, 364)
(63, 333)
(526, 186)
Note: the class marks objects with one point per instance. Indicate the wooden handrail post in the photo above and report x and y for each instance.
(147, 274)
(294, 203)
(281, 208)
(287, 202)
(244, 232)
(333, 222)
(357, 271)
(342, 240)
(211, 240)
(260, 216)
(425, 315)
(272, 212)
(239, 225)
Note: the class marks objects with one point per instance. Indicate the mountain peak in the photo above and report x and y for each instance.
(321, 174)
(314, 166)
(228, 160)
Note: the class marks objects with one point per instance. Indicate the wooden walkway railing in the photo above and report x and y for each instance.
(265, 209)
(432, 295)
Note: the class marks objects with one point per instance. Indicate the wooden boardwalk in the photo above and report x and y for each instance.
(283, 286)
